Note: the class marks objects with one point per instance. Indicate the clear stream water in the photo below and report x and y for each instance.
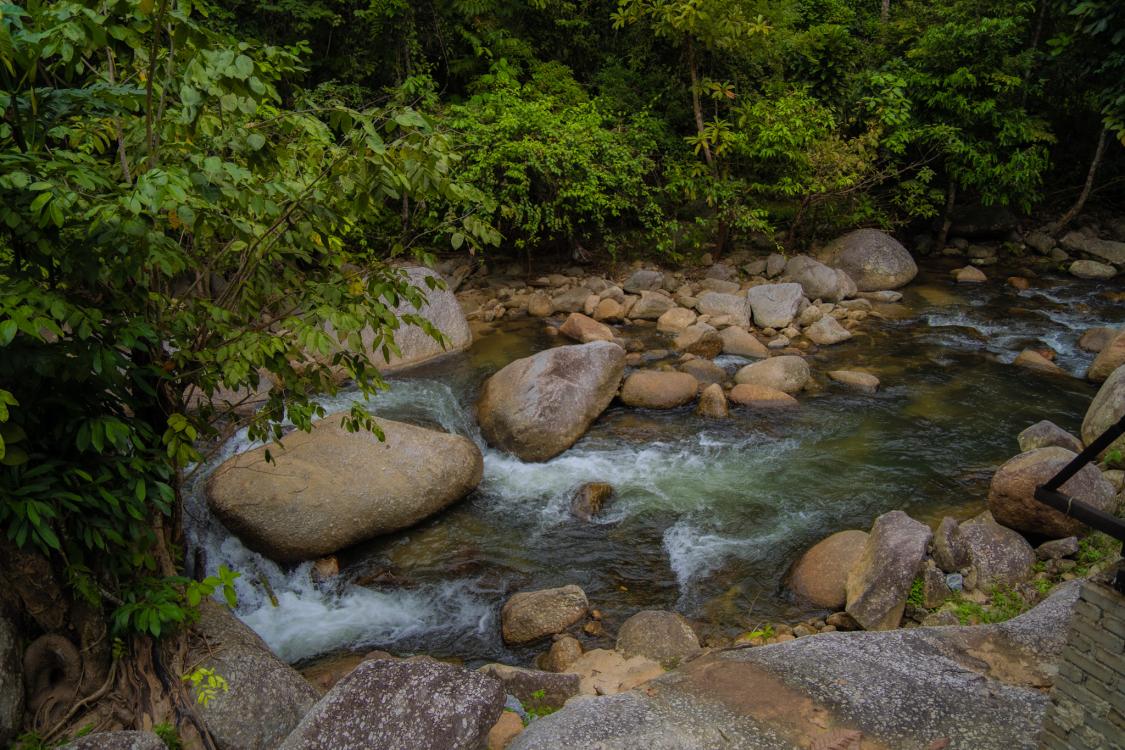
(708, 515)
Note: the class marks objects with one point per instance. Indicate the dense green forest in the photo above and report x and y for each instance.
(193, 193)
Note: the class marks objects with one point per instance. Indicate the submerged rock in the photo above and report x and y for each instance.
(821, 575)
(589, 500)
(329, 488)
(531, 615)
(412, 703)
(1033, 360)
(664, 637)
(265, 699)
(873, 259)
(880, 580)
(861, 381)
(538, 406)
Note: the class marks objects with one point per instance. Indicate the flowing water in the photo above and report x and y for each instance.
(708, 515)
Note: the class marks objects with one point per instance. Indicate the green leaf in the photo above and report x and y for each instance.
(8, 330)
(256, 141)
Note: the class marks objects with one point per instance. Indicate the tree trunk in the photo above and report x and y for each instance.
(885, 13)
(1074, 210)
(696, 106)
(947, 215)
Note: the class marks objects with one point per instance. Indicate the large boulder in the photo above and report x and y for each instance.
(1109, 359)
(873, 259)
(123, 740)
(402, 705)
(531, 615)
(999, 556)
(658, 389)
(979, 687)
(538, 406)
(11, 683)
(571, 300)
(1011, 497)
(416, 346)
(880, 580)
(818, 280)
(741, 343)
(585, 329)
(775, 305)
(1106, 410)
(265, 699)
(735, 306)
(329, 488)
(788, 373)
(821, 575)
(664, 637)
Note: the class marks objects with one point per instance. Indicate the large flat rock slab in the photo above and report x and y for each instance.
(965, 688)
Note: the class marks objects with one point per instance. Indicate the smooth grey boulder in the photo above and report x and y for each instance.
(643, 280)
(999, 556)
(539, 406)
(880, 580)
(775, 305)
(827, 331)
(416, 346)
(818, 280)
(981, 687)
(1106, 410)
(1011, 496)
(402, 705)
(1106, 250)
(265, 699)
(124, 740)
(873, 259)
(11, 683)
(665, 637)
(718, 303)
(329, 488)
(570, 301)
(651, 306)
(1046, 433)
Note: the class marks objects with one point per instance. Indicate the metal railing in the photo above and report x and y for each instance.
(1108, 523)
